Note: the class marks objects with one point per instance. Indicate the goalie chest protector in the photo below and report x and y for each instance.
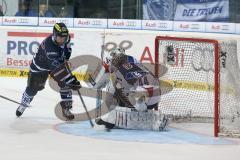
(131, 72)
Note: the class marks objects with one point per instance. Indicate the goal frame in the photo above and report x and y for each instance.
(216, 69)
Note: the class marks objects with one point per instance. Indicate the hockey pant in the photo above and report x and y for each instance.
(36, 82)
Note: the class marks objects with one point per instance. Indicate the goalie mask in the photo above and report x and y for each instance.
(115, 57)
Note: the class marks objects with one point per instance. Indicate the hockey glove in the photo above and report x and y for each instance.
(67, 52)
(73, 83)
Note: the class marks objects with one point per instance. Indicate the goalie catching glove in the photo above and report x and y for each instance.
(63, 76)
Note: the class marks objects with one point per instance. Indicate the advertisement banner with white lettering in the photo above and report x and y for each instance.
(46, 22)
(90, 23)
(157, 25)
(189, 26)
(158, 9)
(215, 27)
(199, 10)
(19, 21)
(124, 24)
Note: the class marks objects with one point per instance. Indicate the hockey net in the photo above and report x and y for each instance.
(204, 75)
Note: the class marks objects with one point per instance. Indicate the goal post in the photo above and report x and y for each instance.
(194, 68)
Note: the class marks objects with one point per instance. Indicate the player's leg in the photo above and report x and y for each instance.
(36, 82)
(66, 103)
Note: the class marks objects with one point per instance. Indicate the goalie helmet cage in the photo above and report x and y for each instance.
(194, 74)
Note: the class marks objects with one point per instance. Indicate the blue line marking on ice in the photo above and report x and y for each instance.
(170, 136)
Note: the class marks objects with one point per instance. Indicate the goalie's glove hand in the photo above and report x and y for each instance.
(73, 83)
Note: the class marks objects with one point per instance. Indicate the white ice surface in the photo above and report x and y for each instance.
(34, 136)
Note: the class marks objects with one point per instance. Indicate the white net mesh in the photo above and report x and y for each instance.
(191, 74)
(229, 90)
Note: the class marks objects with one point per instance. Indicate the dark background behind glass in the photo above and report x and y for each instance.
(113, 9)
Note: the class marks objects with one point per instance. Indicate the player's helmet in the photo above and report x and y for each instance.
(60, 29)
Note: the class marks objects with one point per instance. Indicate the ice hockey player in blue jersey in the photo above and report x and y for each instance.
(52, 55)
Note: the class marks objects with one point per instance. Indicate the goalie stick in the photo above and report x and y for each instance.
(98, 113)
(103, 45)
(98, 119)
(11, 100)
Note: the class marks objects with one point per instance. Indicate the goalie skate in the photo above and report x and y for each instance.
(107, 125)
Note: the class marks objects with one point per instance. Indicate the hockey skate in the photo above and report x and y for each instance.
(66, 106)
(107, 125)
(26, 100)
(20, 110)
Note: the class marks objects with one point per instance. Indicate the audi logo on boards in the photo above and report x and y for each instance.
(162, 25)
(195, 26)
(225, 27)
(97, 23)
(184, 26)
(23, 20)
(216, 27)
(131, 24)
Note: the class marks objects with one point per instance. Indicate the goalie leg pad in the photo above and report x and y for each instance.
(131, 119)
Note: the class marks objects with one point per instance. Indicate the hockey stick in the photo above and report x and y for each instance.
(98, 119)
(98, 112)
(84, 106)
(11, 100)
(80, 96)
(103, 45)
